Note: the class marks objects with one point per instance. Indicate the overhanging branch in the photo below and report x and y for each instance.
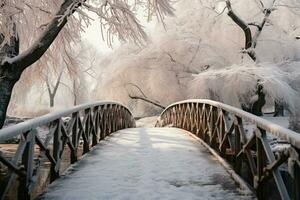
(148, 101)
(37, 50)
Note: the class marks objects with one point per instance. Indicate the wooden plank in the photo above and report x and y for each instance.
(57, 148)
(276, 173)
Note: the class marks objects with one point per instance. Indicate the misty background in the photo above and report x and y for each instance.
(195, 54)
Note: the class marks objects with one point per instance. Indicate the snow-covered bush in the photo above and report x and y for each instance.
(236, 84)
(199, 56)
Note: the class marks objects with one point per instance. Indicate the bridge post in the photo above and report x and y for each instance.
(261, 162)
(74, 138)
(296, 189)
(25, 182)
(86, 131)
(213, 126)
(238, 147)
(265, 165)
(21, 169)
(103, 127)
(57, 148)
(95, 123)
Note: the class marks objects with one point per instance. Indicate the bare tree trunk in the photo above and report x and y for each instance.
(52, 92)
(51, 97)
(11, 69)
(279, 109)
(250, 45)
(8, 76)
(6, 88)
(8, 79)
(245, 27)
(260, 102)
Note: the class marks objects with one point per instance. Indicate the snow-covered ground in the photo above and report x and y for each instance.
(146, 122)
(146, 163)
(281, 121)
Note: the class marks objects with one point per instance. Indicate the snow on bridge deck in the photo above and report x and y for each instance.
(146, 163)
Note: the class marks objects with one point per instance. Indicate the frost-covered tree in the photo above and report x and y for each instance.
(202, 55)
(52, 86)
(257, 16)
(35, 24)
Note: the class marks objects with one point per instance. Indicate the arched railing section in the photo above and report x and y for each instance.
(249, 143)
(52, 142)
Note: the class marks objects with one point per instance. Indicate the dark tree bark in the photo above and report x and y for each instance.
(144, 97)
(148, 101)
(6, 87)
(8, 77)
(12, 65)
(245, 27)
(52, 92)
(250, 41)
(250, 45)
(51, 101)
(279, 109)
(260, 102)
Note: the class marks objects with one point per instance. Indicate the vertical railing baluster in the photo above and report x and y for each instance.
(86, 131)
(237, 148)
(57, 147)
(95, 122)
(101, 125)
(89, 122)
(74, 138)
(222, 130)
(260, 166)
(114, 118)
(25, 182)
(296, 180)
(104, 121)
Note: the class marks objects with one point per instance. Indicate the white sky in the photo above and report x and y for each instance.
(93, 33)
(93, 36)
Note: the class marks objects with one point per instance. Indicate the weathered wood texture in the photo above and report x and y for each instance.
(83, 125)
(241, 138)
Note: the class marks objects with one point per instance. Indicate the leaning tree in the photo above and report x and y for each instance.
(18, 18)
(261, 24)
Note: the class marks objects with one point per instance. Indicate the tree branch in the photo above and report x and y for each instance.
(48, 86)
(148, 101)
(136, 86)
(267, 13)
(57, 82)
(37, 50)
(244, 26)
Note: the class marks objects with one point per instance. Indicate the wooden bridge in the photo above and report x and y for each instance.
(199, 149)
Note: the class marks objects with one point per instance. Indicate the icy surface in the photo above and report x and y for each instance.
(146, 163)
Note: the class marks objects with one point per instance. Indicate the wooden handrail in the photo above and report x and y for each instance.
(65, 132)
(243, 140)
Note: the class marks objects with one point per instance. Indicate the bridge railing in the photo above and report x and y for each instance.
(52, 142)
(249, 143)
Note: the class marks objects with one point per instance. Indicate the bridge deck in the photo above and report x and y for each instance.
(146, 163)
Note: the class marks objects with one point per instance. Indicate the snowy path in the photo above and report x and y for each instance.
(146, 163)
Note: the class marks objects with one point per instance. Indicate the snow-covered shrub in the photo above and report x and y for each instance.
(236, 84)
(199, 56)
